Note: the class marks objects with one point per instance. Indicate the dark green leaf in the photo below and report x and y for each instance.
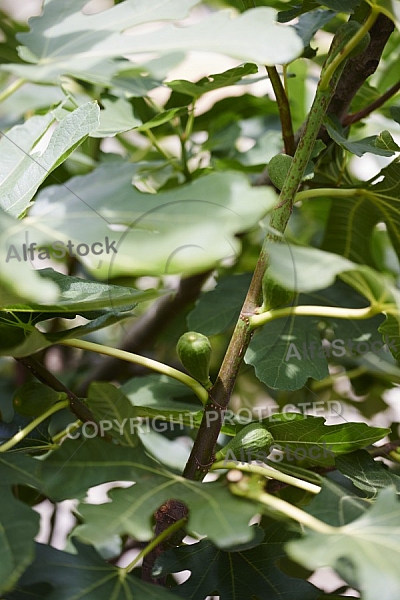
(218, 309)
(346, 6)
(18, 526)
(285, 353)
(22, 339)
(382, 145)
(159, 395)
(213, 511)
(375, 202)
(320, 443)
(238, 574)
(82, 575)
(366, 473)
(212, 82)
(37, 441)
(112, 408)
(309, 23)
(19, 469)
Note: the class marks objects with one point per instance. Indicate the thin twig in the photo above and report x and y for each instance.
(284, 110)
(42, 374)
(384, 450)
(361, 114)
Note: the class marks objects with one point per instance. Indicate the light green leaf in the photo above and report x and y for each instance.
(18, 526)
(64, 41)
(26, 168)
(162, 117)
(30, 97)
(19, 140)
(266, 146)
(17, 285)
(98, 39)
(374, 286)
(80, 296)
(207, 214)
(83, 575)
(365, 552)
(305, 269)
(171, 453)
(102, 304)
(296, 268)
(115, 117)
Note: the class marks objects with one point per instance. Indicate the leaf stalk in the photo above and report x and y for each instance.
(154, 365)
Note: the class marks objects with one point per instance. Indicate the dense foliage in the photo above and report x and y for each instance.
(250, 212)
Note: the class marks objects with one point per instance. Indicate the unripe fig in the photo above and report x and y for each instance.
(250, 440)
(194, 351)
(278, 168)
(274, 294)
(33, 398)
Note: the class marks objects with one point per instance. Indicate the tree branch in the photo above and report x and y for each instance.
(361, 114)
(43, 375)
(355, 73)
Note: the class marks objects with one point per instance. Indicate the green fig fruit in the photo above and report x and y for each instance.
(194, 351)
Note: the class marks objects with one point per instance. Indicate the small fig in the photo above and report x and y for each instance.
(278, 168)
(274, 294)
(250, 440)
(33, 398)
(194, 351)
